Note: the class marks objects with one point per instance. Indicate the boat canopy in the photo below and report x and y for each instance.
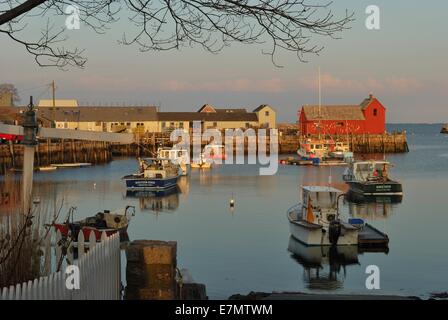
(173, 154)
(320, 196)
(364, 170)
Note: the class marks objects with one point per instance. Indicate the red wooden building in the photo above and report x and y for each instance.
(369, 117)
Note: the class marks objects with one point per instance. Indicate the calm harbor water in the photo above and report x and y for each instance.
(247, 249)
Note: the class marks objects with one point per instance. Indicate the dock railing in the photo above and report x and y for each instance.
(97, 269)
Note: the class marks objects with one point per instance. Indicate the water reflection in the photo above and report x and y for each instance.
(157, 201)
(371, 207)
(325, 267)
(184, 185)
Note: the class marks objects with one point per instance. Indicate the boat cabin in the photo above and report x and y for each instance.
(341, 146)
(322, 200)
(368, 171)
(313, 148)
(158, 168)
(177, 155)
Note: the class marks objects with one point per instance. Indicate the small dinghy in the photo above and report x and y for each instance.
(316, 221)
(47, 168)
(105, 221)
(71, 165)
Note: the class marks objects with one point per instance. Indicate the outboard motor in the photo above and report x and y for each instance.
(334, 231)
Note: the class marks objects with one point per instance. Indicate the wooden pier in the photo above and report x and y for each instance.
(71, 151)
(394, 142)
(55, 151)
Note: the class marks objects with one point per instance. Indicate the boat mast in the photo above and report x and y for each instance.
(320, 103)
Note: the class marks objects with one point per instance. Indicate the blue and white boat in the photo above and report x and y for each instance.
(154, 174)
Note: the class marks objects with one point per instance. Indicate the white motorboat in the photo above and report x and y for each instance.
(316, 221)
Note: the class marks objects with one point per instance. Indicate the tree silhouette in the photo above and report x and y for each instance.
(171, 24)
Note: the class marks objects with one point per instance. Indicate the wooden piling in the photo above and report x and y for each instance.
(151, 270)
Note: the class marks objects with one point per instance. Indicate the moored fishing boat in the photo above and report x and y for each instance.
(340, 150)
(155, 174)
(312, 150)
(371, 178)
(316, 221)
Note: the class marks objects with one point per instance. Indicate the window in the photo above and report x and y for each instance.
(97, 123)
(375, 112)
(266, 113)
(340, 124)
(181, 125)
(247, 125)
(163, 124)
(215, 124)
(128, 124)
(172, 125)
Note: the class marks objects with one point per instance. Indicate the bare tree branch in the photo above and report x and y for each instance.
(288, 25)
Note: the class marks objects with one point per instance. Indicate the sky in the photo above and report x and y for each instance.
(403, 64)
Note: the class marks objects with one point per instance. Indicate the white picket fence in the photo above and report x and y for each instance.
(99, 274)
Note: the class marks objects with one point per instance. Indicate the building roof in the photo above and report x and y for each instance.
(262, 107)
(104, 114)
(58, 103)
(207, 116)
(229, 110)
(9, 114)
(207, 108)
(125, 114)
(334, 112)
(366, 102)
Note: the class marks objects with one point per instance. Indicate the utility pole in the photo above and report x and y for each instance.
(30, 128)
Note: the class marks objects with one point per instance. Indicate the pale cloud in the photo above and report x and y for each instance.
(329, 82)
(332, 83)
(102, 82)
(403, 84)
(274, 85)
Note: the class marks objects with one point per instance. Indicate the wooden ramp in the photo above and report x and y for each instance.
(369, 236)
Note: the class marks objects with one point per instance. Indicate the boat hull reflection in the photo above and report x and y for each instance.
(360, 198)
(325, 267)
(156, 201)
